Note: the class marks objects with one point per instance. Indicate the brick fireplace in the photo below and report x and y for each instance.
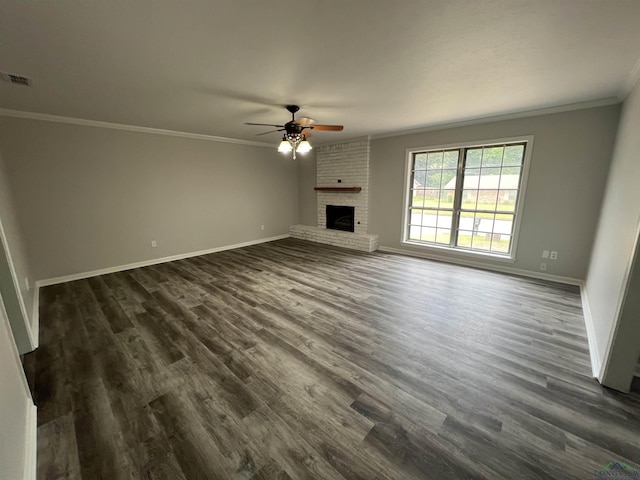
(341, 167)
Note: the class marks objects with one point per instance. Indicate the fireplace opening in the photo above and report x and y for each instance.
(341, 218)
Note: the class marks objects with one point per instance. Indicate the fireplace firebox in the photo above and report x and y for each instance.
(341, 218)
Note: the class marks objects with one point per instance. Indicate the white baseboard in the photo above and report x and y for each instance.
(31, 335)
(32, 331)
(485, 266)
(31, 446)
(154, 261)
(596, 363)
(35, 316)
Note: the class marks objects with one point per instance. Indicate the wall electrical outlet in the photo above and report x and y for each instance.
(543, 267)
(261, 227)
(554, 256)
(154, 244)
(545, 254)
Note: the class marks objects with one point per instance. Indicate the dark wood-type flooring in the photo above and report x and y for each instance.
(296, 360)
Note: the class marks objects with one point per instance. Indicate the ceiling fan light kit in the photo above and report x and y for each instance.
(294, 140)
(285, 146)
(304, 146)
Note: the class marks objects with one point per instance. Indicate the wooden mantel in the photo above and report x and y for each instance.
(338, 189)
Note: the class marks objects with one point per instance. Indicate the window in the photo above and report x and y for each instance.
(467, 197)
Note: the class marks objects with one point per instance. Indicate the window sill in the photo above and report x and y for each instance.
(460, 252)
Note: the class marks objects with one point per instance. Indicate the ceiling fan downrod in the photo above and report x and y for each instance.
(292, 109)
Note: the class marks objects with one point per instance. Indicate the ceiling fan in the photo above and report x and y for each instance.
(296, 132)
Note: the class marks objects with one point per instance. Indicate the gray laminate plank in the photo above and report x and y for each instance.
(58, 450)
(294, 360)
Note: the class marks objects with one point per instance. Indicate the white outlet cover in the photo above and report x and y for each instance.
(543, 267)
(554, 256)
(545, 254)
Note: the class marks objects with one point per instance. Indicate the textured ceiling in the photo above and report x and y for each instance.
(375, 66)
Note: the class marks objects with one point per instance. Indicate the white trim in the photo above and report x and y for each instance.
(596, 364)
(5, 112)
(499, 118)
(31, 446)
(406, 201)
(604, 369)
(35, 315)
(33, 340)
(154, 261)
(603, 102)
(484, 266)
(524, 179)
(31, 423)
(4, 319)
(460, 251)
(631, 81)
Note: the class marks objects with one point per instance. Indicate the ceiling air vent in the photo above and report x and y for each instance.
(15, 79)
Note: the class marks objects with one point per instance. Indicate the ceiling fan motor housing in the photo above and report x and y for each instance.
(292, 127)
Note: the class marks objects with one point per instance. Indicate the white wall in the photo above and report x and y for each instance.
(612, 259)
(568, 172)
(90, 198)
(17, 413)
(14, 268)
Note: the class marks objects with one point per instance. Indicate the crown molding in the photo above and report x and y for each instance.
(46, 117)
(631, 81)
(508, 116)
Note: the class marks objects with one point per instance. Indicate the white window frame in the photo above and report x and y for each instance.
(526, 163)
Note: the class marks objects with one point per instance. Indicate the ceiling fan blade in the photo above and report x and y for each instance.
(305, 121)
(270, 131)
(306, 133)
(265, 125)
(330, 128)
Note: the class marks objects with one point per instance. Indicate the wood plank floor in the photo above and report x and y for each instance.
(296, 360)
